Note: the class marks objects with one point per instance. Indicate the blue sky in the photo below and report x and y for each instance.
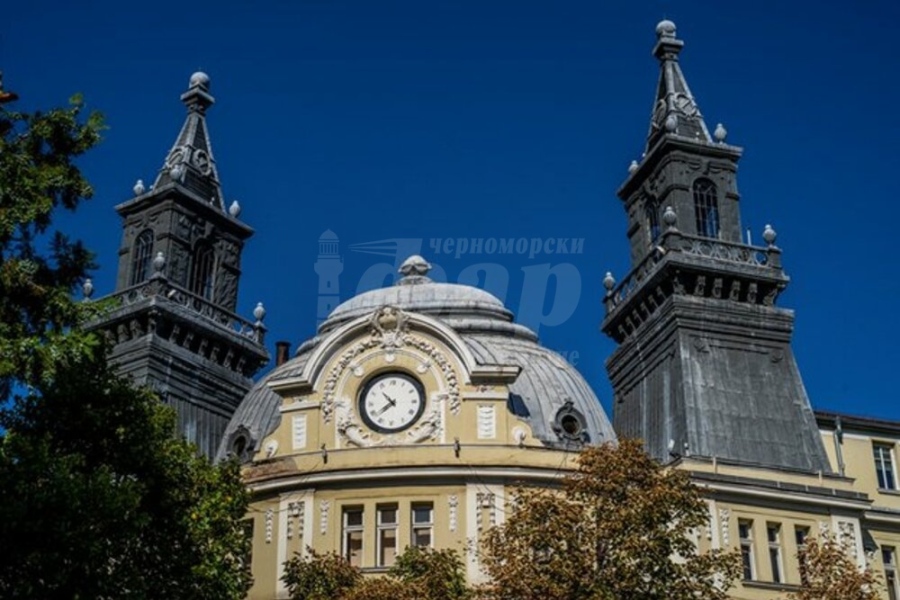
(423, 121)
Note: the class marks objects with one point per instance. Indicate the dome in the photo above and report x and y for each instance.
(547, 391)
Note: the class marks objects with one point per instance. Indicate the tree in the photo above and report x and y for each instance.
(619, 528)
(829, 573)
(100, 500)
(319, 576)
(38, 175)
(418, 574)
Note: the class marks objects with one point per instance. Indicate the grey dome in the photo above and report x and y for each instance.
(547, 388)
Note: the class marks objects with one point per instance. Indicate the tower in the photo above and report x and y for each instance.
(328, 267)
(174, 326)
(704, 363)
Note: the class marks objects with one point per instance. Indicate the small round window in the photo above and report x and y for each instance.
(569, 423)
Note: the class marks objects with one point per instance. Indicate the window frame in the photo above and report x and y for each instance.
(706, 208)
(890, 571)
(776, 563)
(203, 271)
(381, 528)
(347, 530)
(748, 562)
(421, 525)
(142, 256)
(879, 450)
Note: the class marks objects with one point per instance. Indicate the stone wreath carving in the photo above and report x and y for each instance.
(389, 330)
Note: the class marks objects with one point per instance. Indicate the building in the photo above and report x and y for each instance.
(415, 406)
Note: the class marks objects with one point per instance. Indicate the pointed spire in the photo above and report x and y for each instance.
(190, 163)
(675, 111)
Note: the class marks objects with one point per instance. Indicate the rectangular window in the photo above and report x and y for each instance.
(884, 466)
(889, 558)
(773, 535)
(422, 524)
(387, 535)
(800, 535)
(353, 535)
(745, 533)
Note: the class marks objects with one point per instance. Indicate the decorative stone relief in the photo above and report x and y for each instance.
(453, 502)
(847, 537)
(724, 518)
(295, 518)
(270, 520)
(324, 507)
(389, 331)
(487, 422)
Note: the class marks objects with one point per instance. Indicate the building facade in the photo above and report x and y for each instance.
(408, 416)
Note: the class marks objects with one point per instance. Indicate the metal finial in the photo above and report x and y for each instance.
(633, 167)
(259, 313)
(769, 235)
(235, 209)
(139, 187)
(87, 288)
(609, 282)
(665, 29)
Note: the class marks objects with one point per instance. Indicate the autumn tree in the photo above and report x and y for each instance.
(100, 500)
(418, 574)
(620, 527)
(828, 572)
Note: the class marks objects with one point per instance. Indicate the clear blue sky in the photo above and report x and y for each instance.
(423, 120)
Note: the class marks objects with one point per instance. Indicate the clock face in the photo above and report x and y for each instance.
(391, 402)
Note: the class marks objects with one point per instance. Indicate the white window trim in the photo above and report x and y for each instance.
(749, 542)
(380, 526)
(427, 524)
(345, 529)
(889, 446)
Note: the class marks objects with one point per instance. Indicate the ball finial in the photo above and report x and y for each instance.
(665, 29)
(415, 265)
(671, 123)
(235, 209)
(138, 188)
(769, 235)
(669, 217)
(609, 282)
(87, 288)
(199, 79)
(633, 167)
(720, 133)
(259, 313)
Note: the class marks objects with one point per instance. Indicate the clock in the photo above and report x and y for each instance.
(391, 402)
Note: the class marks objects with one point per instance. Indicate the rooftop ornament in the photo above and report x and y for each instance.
(138, 188)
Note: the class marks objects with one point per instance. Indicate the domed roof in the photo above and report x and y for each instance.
(416, 292)
(547, 389)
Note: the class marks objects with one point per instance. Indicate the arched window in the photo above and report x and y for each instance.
(141, 255)
(203, 271)
(706, 208)
(651, 213)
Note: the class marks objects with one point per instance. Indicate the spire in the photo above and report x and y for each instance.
(675, 111)
(190, 163)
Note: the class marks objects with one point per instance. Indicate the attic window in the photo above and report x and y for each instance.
(571, 426)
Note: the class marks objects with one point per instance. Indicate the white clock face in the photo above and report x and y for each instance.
(391, 402)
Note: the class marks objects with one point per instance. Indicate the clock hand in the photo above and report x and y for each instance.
(393, 402)
(387, 406)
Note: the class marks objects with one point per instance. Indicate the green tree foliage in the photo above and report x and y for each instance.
(319, 576)
(39, 266)
(418, 574)
(100, 500)
(619, 528)
(829, 573)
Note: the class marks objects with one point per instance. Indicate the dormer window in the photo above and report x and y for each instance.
(706, 208)
(141, 255)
